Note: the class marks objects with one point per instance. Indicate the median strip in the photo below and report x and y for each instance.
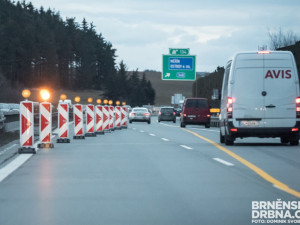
(251, 166)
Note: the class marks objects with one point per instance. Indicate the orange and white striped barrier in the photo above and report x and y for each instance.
(99, 119)
(90, 121)
(78, 121)
(118, 117)
(45, 125)
(124, 117)
(106, 119)
(111, 118)
(26, 127)
(63, 123)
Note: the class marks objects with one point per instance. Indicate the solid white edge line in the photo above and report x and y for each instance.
(152, 135)
(186, 147)
(17, 162)
(223, 162)
(164, 139)
(12, 166)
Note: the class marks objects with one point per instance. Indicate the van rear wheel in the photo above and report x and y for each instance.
(222, 138)
(228, 139)
(284, 140)
(207, 125)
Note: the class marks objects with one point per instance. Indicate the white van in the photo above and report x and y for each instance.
(260, 97)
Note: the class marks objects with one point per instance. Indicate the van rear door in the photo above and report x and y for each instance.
(247, 86)
(281, 87)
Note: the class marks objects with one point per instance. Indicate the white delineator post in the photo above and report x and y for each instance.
(106, 118)
(78, 121)
(26, 127)
(63, 123)
(118, 117)
(99, 119)
(124, 117)
(45, 125)
(90, 121)
(111, 118)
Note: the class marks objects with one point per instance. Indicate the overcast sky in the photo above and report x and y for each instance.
(143, 30)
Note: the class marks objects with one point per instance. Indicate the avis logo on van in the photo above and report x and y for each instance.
(284, 74)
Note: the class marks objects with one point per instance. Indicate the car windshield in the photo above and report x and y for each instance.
(196, 103)
(167, 110)
(140, 110)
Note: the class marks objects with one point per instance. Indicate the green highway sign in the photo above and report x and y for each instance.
(179, 67)
(179, 51)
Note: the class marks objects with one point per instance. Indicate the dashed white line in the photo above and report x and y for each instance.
(133, 128)
(186, 147)
(223, 162)
(142, 131)
(152, 135)
(164, 139)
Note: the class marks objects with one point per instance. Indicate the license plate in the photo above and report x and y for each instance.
(249, 123)
(191, 116)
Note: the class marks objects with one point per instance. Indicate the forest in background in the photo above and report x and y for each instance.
(39, 48)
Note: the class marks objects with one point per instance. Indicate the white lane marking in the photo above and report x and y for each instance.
(17, 162)
(210, 130)
(12, 166)
(275, 186)
(168, 125)
(142, 131)
(186, 147)
(164, 139)
(223, 162)
(152, 135)
(133, 128)
(8, 148)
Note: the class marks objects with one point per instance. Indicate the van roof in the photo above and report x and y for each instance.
(260, 52)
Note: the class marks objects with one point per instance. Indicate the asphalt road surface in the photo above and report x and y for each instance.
(150, 174)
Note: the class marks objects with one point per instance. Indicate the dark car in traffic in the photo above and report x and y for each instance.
(195, 111)
(167, 114)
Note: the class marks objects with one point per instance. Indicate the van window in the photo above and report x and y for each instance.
(225, 80)
(196, 103)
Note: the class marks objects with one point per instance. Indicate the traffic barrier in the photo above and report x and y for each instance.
(106, 119)
(118, 117)
(45, 125)
(90, 121)
(63, 123)
(78, 121)
(99, 119)
(27, 127)
(111, 118)
(124, 117)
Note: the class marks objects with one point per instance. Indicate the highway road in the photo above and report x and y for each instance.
(150, 174)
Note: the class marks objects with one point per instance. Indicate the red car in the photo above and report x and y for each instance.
(195, 111)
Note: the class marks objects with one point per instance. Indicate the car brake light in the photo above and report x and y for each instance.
(132, 114)
(264, 52)
(208, 115)
(229, 107)
(233, 130)
(174, 113)
(159, 113)
(295, 129)
(298, 107)
(147, 114)
(184, 114)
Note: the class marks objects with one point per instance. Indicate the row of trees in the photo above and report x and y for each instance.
(39, 48)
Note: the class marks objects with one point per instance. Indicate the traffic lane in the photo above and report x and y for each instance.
(280, 161)
(126, 177)
(203, 148)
